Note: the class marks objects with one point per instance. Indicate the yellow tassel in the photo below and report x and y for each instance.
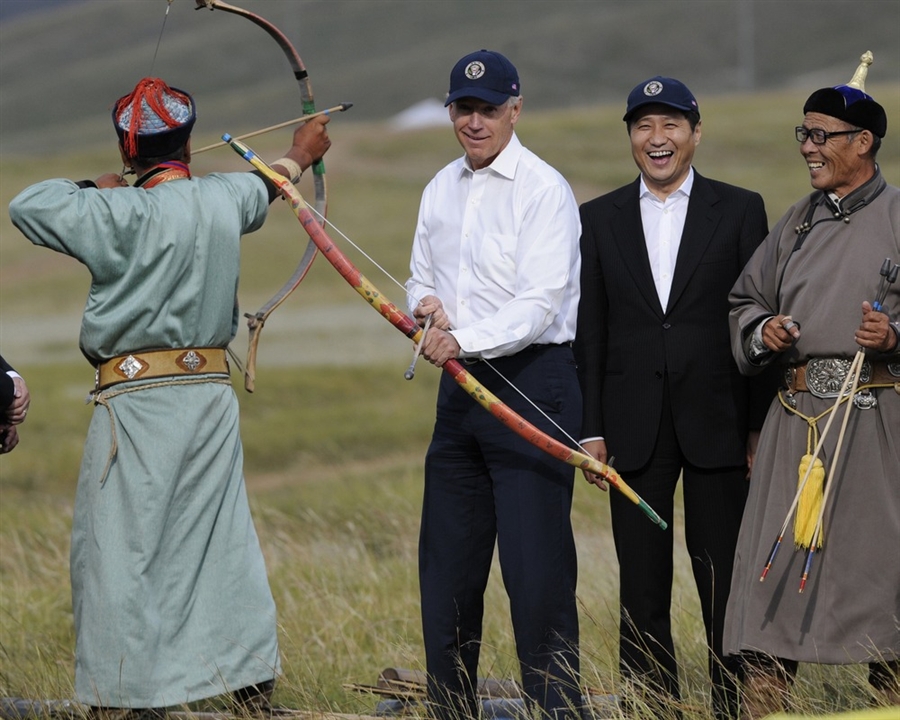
(810, 503)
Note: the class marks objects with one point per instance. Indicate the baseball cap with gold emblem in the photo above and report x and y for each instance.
(661, 91)
(485, 75)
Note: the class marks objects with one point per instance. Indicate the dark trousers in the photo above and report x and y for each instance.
(713, 505)
(484, 484)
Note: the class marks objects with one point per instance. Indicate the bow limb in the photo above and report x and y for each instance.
(257, 320)
(453, 367)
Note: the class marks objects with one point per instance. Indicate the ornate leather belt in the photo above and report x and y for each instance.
(824, 377)
(150, 364)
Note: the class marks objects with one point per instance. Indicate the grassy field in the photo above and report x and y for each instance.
(334, 449)
(334, 474)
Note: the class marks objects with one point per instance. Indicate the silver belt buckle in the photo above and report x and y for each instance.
(825, 376)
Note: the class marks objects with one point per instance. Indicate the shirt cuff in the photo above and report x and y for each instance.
(590, 439)
(757, 350)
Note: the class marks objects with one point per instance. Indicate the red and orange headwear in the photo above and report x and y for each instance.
(154, 120)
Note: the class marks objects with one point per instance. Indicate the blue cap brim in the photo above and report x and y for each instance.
(489, 96)
(654, 101)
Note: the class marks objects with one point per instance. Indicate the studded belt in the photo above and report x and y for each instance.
(824, 377)
(150, 364)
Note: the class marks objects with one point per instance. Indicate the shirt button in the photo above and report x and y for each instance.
(666, 326)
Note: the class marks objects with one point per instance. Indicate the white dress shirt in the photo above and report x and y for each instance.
(663, 224)
(499, 247)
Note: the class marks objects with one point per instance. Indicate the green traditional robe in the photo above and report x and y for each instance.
(170, 596)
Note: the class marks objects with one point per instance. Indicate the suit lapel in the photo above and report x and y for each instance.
(628, 235)
(699, 226)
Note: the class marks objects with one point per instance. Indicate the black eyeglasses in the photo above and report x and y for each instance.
(819, 136)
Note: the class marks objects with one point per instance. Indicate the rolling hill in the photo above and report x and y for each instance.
(63, 62)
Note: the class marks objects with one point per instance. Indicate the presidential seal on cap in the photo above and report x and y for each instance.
(850, 102)
(661, 91)
(153, 120)
(485, 75)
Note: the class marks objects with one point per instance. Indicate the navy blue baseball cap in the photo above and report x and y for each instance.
(485, 75)
(663, 91)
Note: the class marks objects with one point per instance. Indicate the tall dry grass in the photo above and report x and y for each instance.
(338, 521)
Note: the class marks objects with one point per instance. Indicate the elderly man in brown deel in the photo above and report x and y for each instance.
(810, 298)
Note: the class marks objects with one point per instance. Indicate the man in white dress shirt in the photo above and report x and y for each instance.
(495, 263)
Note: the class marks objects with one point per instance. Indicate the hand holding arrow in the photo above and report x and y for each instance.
(302, 119)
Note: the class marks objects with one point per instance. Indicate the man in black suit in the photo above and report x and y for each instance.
(14, 402)
(661, 391)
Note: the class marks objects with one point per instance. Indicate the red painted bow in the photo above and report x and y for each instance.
(410, 328)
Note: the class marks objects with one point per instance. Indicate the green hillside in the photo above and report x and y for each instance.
(61, 70)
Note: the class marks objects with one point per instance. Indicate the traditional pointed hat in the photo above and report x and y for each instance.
(850, 102)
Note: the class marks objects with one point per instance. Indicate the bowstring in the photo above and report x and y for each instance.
(362, 252)
(532, 403)
(159, 39)
(125, 169)
(406, 292)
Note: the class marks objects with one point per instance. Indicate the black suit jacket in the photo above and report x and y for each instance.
(627, 345)
(7, 387)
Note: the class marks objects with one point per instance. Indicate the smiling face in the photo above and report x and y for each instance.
(842, 163)
(483, 129)
(662, 145)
